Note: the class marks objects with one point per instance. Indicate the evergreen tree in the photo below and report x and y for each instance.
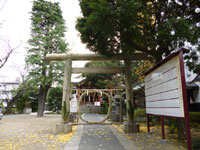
(47, 36)
(54, 99)
(150, 26)
(101, 81)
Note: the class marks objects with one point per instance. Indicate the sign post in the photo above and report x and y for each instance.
(165, 91)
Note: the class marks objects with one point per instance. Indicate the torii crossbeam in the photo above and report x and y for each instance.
(68, 58)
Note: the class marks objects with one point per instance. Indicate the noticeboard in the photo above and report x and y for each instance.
(74, 104)
(164, 89)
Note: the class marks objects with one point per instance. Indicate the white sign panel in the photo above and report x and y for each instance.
(97, 104)
(74, 105)
(163, 90)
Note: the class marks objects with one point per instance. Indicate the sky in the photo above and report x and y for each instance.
(15, 30)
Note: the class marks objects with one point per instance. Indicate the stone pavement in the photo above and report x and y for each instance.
(98, 137)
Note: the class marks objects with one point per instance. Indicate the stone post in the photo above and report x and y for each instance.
(129, 88)
(130, 126)
(67, 83)
(66, 127)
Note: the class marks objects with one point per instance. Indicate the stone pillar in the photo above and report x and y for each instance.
(130, 126)
(67, 83)
(129, 88)
(66, 127)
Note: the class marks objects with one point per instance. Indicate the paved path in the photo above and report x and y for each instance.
(98, 137)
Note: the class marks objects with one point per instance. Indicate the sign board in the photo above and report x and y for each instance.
(97, 104)
(166, 93)
(74, 105)
(163, 89)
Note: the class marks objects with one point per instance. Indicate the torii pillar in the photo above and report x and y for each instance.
(130, 126)
(67, 84)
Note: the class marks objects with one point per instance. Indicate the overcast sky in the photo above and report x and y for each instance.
(15, 26)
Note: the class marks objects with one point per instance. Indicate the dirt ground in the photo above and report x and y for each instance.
(28, 132)
(152, 140)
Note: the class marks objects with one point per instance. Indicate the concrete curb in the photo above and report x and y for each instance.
(73, 143)
(127, 144)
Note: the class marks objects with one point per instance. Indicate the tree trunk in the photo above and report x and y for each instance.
(181, 129)
(13, 101)
(42, 98)
(129, 93)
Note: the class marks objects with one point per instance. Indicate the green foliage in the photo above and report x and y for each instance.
(192, 59)
(65, 113)
(20, 105)
(100, 81)
(54, 99)
(173, 125)
(195, 119)
(3, 108)
(196, 144)
(130, 110)
(47, 36)
(140, 112)
(14, 110)
(140, 115)
(154, 27)
(29, 98)
(104, 108)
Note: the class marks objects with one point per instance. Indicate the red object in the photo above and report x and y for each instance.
(185, 102)
(148, 125)
(184, 92)
(163, 127)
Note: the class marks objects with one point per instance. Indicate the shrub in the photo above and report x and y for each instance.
(140, 112)
(196, 144)
(65, 113)
(104, 108)
(54, 99)
(173, 125)
(140, 115)
(194, 117)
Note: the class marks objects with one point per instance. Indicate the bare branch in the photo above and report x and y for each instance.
(2, 6)
(8, 51)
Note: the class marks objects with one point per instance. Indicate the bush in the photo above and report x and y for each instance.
(54, 99)
(173, 125)
(194, 117)
(104, 108)
(14, 110)
(3, 108)
(140, 112)
(196, 144)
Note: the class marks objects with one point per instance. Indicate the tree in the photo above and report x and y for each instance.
(54, 99)
(101, 81)
(149, 26)
(47, 36)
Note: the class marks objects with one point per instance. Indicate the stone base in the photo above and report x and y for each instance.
(131, 128)
(164, 141)
(63, 128)
(70, 118)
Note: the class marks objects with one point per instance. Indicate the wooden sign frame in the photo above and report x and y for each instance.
(179, 85)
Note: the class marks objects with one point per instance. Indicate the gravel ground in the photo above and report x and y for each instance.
(28, 132)
(152, 141)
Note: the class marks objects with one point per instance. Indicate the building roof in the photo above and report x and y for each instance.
(197, 78)
(10, 82)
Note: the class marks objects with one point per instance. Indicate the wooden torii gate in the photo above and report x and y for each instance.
(68, 58)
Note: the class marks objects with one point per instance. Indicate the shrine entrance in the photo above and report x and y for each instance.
(95, 101)
(68, 58)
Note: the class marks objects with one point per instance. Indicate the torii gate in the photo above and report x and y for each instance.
(68, 58)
